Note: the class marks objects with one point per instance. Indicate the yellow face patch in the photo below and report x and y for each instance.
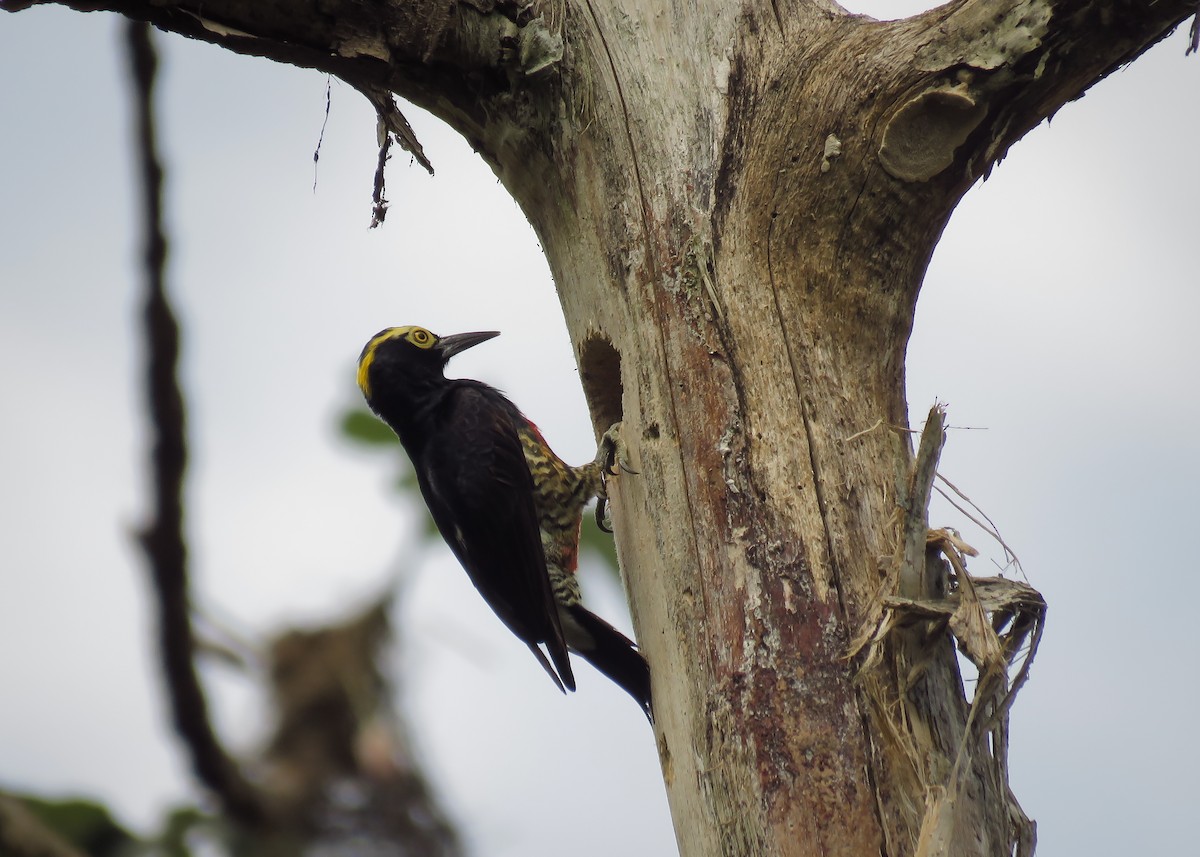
(418, 336)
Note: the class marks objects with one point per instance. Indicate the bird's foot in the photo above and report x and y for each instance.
(611, 455)
(612, 459)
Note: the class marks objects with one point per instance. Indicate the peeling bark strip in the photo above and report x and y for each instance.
(739, 200)
(897, 649)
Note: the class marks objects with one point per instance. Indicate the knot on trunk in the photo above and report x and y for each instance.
(921, 137)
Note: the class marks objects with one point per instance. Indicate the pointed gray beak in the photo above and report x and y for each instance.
(448, 346)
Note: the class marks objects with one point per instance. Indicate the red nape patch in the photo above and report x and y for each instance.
(537, 431)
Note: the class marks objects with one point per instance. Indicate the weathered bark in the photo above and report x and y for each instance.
(738, 203)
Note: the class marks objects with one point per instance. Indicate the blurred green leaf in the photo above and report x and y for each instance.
(361, 426)
(86, 824)
(600, 544)
(181, 822)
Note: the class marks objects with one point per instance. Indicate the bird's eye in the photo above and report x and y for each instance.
(421, 337)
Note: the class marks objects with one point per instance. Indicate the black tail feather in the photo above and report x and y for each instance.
(567, 680)
(609, 651)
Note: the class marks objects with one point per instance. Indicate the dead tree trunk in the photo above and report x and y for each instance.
(738, 202)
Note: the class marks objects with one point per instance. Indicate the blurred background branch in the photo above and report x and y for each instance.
(339, 775)
(163, 539)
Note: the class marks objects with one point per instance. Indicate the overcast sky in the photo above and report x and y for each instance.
(1058, 321)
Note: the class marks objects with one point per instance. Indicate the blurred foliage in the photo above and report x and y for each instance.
(362, 428)
(83, 824)
(89, 827)
(597, 543)
(182, 825)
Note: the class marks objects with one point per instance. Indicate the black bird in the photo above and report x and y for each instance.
(508, 507)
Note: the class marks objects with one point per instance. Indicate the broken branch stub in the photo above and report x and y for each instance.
(927, 597)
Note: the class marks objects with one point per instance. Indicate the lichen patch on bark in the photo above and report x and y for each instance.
(987, 37)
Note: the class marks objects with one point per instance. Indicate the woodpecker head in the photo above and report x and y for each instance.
(401, 363)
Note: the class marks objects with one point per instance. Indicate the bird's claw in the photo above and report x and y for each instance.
(603, 519)
(612, 461)
(611, 456)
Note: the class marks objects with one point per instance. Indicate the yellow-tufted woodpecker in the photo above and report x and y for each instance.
(508, 507)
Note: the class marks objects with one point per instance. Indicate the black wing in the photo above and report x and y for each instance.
(480, 492)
